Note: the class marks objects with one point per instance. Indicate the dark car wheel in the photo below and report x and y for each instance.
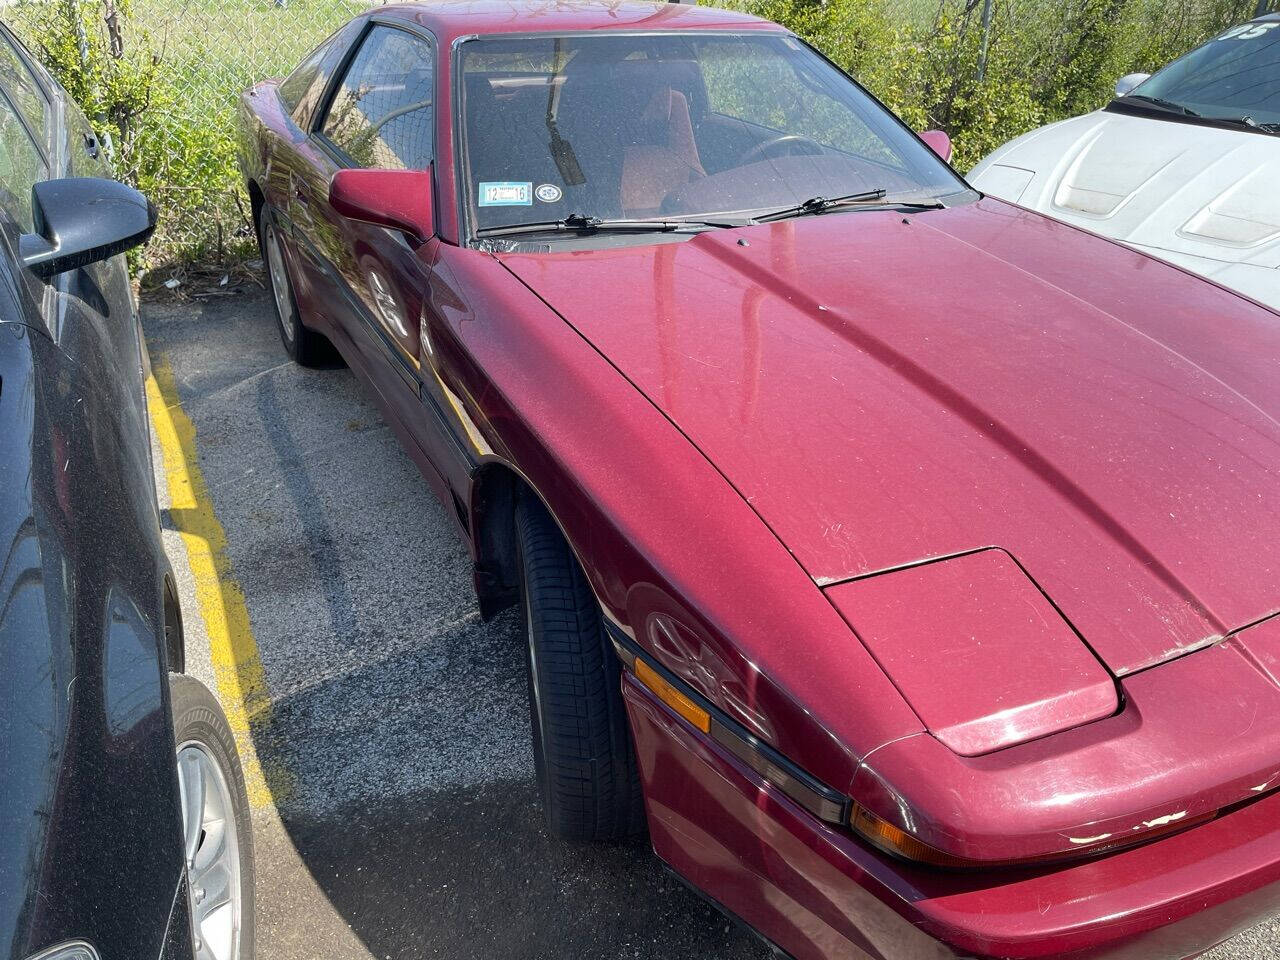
(216, 831)
(582, 749)
(304, 345)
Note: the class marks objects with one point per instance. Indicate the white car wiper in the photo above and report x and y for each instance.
(875, 197)
(577, 223)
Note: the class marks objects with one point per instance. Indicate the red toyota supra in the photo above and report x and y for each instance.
(906, 562)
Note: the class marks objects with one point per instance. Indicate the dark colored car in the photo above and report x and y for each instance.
(124, 829)
(906, 560)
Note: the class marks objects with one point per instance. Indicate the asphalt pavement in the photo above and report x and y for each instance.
(400, 818)
(396, 815)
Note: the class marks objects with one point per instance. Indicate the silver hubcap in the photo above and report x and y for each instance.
(212, 852)
(279, 283)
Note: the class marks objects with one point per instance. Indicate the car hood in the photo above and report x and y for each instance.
(884, 389)
(1183, 189)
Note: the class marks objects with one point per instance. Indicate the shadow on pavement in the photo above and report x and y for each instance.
(396, 740)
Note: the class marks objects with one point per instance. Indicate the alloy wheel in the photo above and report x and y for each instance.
(212, 852)
(280, 283)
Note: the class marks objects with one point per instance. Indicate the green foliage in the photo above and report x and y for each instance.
(80, 42)
(1045, 60)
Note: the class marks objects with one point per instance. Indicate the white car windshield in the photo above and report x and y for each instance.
(667, 125)
(1234, 77)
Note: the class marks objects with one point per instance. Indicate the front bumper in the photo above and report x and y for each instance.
(817, 892)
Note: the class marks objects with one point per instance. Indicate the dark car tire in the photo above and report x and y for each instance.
(304, 345)
(583, 754)
(201, 728)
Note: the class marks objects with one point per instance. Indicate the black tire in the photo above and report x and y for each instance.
(198, 720)
(582, 748)
(304, 345)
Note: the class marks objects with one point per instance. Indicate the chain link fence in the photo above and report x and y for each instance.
(162, 79)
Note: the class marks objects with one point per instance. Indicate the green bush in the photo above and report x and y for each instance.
(82, 46)
(161, 78)
(1045, 60)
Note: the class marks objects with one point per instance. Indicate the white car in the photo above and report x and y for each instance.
(1184, 165)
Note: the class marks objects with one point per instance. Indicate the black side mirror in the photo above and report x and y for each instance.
(82, 220)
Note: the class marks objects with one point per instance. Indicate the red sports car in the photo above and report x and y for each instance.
(907, 561)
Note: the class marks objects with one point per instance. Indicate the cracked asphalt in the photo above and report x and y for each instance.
(402, 819)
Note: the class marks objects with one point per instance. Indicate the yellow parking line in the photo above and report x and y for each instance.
(237, 667)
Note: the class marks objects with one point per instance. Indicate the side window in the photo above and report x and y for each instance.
(21, 86)
(381, 114)
(294, 87)
(21, 166)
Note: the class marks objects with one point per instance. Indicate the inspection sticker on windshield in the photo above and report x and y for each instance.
(548, 193)
(506, 193)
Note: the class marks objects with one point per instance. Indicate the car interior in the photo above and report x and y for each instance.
(644, 140)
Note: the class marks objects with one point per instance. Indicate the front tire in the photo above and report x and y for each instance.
(217, 834)
(582, 748)
(304, 345)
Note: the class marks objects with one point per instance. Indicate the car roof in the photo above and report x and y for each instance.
(449, 19)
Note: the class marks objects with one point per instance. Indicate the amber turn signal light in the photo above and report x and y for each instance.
(884, 835)
(672, 697)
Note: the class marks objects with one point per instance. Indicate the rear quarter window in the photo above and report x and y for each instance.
(295, 86)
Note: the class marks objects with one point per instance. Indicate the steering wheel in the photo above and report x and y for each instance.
(787, 144)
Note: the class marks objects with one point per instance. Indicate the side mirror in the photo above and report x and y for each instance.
(938, 142)
(1126, 84)
(397, 199)
(82, 220)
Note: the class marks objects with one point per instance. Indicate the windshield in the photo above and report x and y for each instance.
(1234, 76)
(673, 126)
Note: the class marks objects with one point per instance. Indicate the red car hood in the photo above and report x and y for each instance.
(885, 388)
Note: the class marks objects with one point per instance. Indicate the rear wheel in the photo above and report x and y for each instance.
(304, 345)
(217, 835)
(582, 748)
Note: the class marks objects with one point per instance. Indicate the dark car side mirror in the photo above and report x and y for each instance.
(397, 199)
(82, 220)
(938, 142)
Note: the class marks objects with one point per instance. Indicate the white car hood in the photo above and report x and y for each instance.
(1203, 197)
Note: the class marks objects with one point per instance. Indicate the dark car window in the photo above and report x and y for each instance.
(21, 86)
(330, 55)
(1234, 75)
(21, 166)
(295, 86)
(381, 114)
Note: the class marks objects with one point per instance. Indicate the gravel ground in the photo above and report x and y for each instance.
(404, 821)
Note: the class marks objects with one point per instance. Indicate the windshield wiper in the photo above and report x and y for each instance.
(577, 223)
(1247, 121)
(822, 204)
(1168, 105)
